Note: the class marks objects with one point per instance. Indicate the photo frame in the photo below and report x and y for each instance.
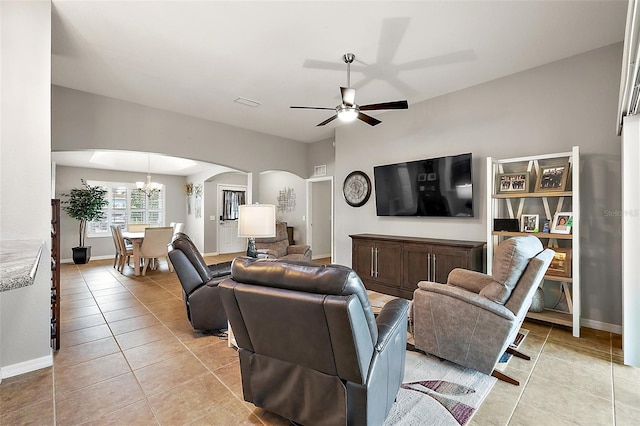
(560, 265)
(562, 223)
(552, 178)
(512, 183)
(529, 223)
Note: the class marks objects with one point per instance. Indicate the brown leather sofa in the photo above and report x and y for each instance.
(199, 284)
(310, 347)
(278, 247)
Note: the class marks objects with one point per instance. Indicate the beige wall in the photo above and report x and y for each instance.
(85, 121)
(543, 110)
(271, 184)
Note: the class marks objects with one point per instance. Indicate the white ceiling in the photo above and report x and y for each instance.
(197, 57)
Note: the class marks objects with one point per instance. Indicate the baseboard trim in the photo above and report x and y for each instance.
(107, 256)
(215, 253)
(602, 326)
(26, 366)
(320, 256)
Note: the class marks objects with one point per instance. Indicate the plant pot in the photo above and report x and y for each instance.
(81, 255)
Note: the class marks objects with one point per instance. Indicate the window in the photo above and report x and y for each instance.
(127, 204)
(231, 200)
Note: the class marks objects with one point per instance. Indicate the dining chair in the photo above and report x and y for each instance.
(137, 227)
(117, 246)
(125, 249)
(154, 246)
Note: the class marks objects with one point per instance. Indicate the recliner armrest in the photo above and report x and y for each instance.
(298, 249)
(469, 280)
(220, 269)
(389, 320)
(467, 296)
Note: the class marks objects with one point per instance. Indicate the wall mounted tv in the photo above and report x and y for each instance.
(432, 187)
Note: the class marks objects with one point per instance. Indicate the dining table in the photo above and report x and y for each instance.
(136, 239)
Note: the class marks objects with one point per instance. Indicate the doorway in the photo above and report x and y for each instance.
(320, 217)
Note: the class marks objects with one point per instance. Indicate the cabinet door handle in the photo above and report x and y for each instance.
(434, 268)
(372, 264)
(376, 262)
(428, 266)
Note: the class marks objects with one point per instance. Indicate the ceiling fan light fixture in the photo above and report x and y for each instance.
(347, 114)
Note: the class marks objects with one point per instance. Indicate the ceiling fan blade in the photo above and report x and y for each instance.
(348, 96)
(328, 120)
(385, 105)
(368, 119)
(305, 107)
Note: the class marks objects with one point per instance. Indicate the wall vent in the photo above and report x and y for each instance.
(320, 170)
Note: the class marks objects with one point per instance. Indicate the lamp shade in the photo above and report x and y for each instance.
(256, 220)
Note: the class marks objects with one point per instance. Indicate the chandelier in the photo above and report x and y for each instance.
(149, 187)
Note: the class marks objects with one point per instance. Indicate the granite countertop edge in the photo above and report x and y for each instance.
(19, 261)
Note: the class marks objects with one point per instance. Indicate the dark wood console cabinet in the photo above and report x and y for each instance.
(394, 265)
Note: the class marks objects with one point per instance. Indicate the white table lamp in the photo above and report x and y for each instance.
(256, 221)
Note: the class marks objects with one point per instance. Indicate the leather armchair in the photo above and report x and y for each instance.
(474, 318)
(310, 347)
(199, 284)
(278, 247)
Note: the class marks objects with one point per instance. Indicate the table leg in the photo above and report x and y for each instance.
(136, 257)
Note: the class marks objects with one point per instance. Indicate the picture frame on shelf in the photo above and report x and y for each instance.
(512, 183)
(560, 265)
(562, 223)
(529, 223)
(552, 178)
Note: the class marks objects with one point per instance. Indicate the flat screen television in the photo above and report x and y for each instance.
(431, 187)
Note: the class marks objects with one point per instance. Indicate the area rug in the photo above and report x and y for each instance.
(439, 392)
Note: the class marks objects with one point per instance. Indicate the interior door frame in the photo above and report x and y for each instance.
(220, 188)
(309, 217)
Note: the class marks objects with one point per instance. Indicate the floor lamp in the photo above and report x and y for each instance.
(256, 221)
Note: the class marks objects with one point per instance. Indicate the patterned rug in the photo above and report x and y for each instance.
(438, 392)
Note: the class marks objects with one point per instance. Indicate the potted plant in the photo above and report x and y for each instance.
(85, 205)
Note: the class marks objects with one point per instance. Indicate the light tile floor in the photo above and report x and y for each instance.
(129, 356)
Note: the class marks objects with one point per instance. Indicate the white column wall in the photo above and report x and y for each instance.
(25, 176)
(631, 240)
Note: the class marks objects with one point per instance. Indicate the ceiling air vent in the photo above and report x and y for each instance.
(248, 102)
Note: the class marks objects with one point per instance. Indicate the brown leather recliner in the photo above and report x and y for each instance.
(199, 284)
(310, 347)
(278, 247)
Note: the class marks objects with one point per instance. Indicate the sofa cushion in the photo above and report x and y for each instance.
(510, 260)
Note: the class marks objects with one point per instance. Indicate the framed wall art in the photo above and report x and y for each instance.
(512, 183)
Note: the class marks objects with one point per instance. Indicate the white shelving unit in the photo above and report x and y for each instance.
(546, 204)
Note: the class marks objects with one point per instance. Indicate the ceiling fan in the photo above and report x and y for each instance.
(348, 110)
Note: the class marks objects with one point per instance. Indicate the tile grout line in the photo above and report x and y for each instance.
(526, 381)
(184, 345)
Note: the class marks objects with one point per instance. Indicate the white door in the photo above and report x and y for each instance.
(228, 240)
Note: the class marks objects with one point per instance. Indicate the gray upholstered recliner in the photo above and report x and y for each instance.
(474, 318)
(278, 247)
(310, 347)
(199, 284)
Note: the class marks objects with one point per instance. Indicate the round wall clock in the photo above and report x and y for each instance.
(356, 188)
